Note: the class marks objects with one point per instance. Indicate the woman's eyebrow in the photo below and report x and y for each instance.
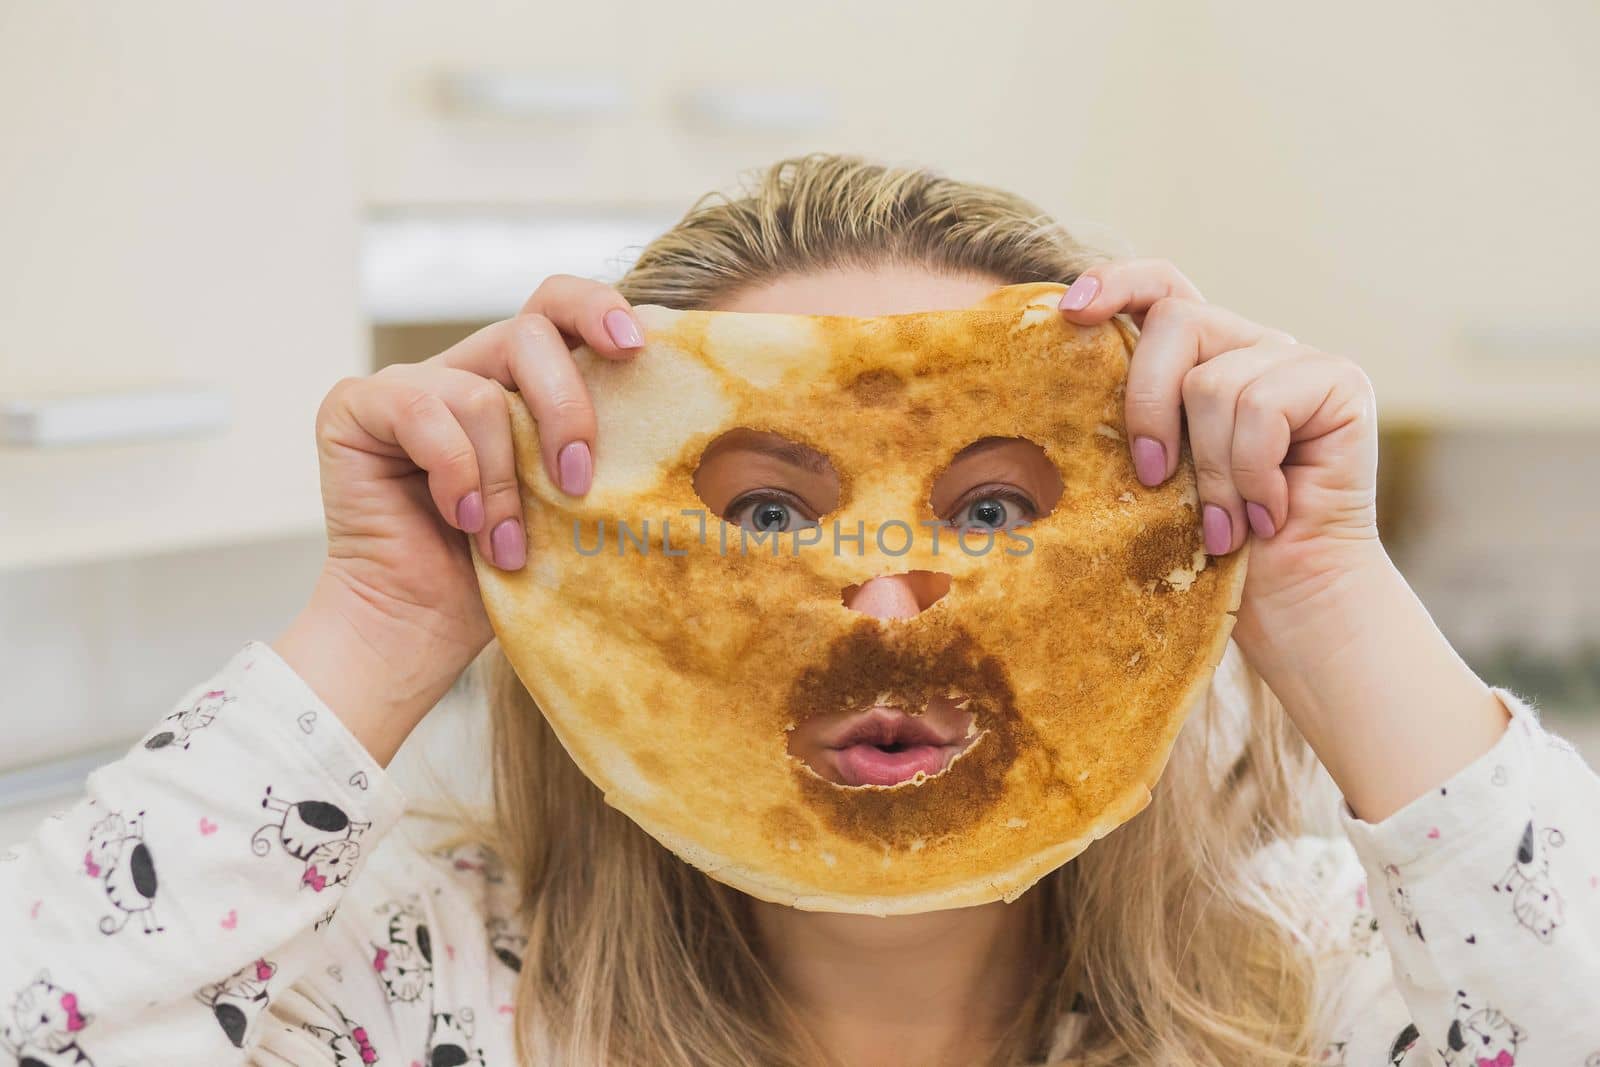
(795, 455)
(982, 445)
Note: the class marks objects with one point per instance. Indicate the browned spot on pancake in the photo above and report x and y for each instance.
(654, 767)
(602, 712)
(784, 824)
(863, 664)
(1161, 548)
(876, 388)
(1100, 442)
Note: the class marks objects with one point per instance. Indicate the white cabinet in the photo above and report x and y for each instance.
(626, 103)
(555, 118)
(179, 207)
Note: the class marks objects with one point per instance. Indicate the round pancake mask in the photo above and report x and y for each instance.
(673, 652)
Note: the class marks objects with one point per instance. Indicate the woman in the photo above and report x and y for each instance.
(1454, 922)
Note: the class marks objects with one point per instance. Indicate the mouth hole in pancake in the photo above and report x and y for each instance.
(764, 482)
(891, 744)
(996, 483)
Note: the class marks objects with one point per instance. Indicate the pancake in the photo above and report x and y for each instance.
(672, 668)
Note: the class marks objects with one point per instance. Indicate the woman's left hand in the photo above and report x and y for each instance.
(1284, 439)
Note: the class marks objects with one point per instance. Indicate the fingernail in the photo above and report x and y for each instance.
(576, 468)
(1080, 293)
(620, 325)
(469, 512)
(508, 546)
(1260, 521)
(1149, 460)
(1218, 530)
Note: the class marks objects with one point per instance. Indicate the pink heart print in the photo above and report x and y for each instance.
(207, 827)
(75, 1019)
(1433, 834)
(230, 920)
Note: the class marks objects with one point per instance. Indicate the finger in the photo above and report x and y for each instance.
(1292, 401)
(401, 413)
(1210, 400)
(587, 310)
(1125, 286)
(479, 405)
(1179, 334)
(527, 353)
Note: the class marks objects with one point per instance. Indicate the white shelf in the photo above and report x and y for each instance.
(111, 415)
(473, 268)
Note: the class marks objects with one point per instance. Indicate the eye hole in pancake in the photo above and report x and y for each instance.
(996, 483)
(765, 482)
(887, 744)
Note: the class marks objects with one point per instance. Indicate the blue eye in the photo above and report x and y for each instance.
(994, 509)
(768, 514)
(987, 512)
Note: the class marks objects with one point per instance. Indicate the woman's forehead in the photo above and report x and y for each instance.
(864, 292)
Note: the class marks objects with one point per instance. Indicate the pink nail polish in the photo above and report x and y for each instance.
(620, 325)
(1080, 293)
(1149, 460)
(469, 512)
(508, 545)
(1260, 521)
(576, 468)
(1218, 530)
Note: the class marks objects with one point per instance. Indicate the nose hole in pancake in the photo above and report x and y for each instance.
(897, 596)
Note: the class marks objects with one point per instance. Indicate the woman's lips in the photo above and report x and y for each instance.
(885, 746)
(870, 765)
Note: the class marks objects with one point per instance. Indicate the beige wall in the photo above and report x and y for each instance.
(1387, 180)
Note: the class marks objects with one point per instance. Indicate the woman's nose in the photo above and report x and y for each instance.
(897, 596)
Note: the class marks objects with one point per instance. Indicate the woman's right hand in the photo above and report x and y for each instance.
(417, 458)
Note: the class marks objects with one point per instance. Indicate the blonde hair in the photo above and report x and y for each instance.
(1159, 944)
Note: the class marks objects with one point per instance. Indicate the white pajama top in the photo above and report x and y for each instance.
(234, 890)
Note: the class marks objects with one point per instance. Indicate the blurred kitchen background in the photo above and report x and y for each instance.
(211, 212)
